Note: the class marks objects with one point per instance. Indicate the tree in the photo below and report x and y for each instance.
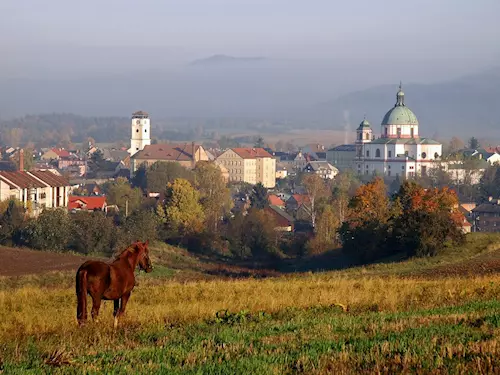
(140, 179)
(92, 232)
(141, 225)
(455, 145)
(315, 189)
(473, 143)
(160, 174)
(50, 231)
(184, 214)
(326, 232)
(120, 193)
(428, 218)
(27, 159)
(12, 216)
(343, 188)
(370, 203)
(259, 197)
(214, 194)
(259, 142)
(490, 182)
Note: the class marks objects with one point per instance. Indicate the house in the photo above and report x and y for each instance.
(486, 217)
(36, 189)
(185, 154)
(283, 222)
(342, 157)
(316, 151)
(90, 188)
(250, 165)
(322, 168)
(460, 173)
(281, 172)
(93, 203)
(55, 154)
(274, 200)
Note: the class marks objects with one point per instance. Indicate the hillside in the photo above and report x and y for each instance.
(460, 107)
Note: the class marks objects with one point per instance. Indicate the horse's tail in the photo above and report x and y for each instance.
(81, 295)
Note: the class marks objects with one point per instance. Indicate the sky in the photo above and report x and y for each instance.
(355, 43)
(278, 28)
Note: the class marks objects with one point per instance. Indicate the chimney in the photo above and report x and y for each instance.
(21, 160)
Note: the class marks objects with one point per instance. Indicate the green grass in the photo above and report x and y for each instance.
(374, 319)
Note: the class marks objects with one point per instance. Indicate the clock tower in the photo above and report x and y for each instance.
(141, 136)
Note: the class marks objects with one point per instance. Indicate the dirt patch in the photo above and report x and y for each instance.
(474, 267)
(18, 262)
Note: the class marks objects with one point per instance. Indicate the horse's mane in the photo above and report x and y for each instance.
(129, 249)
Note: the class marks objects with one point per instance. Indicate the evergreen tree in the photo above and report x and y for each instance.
(259, 197)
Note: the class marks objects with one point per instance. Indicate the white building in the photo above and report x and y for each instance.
(400, 151)
(141, 132)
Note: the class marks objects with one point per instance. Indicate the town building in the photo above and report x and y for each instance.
(283, 222)
(55, 154)
(251, 165)
(342, 157)
(486, 217)
(322, 168)
(36, 189)
(91, 203)
(187, 155)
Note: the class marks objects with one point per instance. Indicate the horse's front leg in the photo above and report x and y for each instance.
(96, 305)
(121, 310)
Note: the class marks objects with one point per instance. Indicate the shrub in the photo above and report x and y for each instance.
(91, 232)
(50, 231)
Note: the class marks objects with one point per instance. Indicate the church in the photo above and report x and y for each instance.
(399, 151)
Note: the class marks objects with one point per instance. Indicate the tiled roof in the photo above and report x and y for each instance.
(321, 165)
(283, 217)
(86, 203)
(26, 180)
(62, 153)
(252, 153)
(351, 148)
(487, 207)
(169, 152)
(300, 199)
(274, 200)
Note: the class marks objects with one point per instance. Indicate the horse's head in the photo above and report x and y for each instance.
(144, 260)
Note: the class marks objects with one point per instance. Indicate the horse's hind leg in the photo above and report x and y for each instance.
(116, 310)
(120, 311)
(96, 305)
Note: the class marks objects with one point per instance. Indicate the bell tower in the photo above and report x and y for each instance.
(141, 132)
(364, 134)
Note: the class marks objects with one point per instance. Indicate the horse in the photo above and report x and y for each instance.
(110, 281)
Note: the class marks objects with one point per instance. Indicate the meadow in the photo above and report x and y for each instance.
(438, 315)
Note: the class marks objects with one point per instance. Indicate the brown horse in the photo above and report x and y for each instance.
(112, 281)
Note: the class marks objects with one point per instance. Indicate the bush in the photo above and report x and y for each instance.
(11, 221)
(92, 232)
(50, 231)
(141, 225)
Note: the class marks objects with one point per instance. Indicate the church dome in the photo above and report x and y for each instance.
(400, 114)
(364, 124)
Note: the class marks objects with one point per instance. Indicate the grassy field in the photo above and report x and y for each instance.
(405, 317)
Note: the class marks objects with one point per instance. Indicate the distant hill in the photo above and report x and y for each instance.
(224, 59)
(464, 107)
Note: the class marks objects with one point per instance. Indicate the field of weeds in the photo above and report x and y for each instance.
(364, 320)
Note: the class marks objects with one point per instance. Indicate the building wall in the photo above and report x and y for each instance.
(49, 155)
(251, 170)
(266, 172)
(342, 160)
(391, 131)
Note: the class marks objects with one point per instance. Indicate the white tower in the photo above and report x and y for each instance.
(141, 132)
(364, 135)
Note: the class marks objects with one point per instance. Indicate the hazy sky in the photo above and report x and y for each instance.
(277, 28)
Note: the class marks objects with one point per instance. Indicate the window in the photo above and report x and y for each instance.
(406, 153)
(412, 132)
(399, 132)
(377, 153)
(388, 167)
(43, 195)
(424, 155)
(402, 167)
(367, 153)
(436, 155)
(367, 136)
(389, 173)
(390, 154)
(360, 136)
(137, 130)
(145, 130)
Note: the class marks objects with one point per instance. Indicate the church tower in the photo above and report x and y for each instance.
(364, 134)
(141, 132)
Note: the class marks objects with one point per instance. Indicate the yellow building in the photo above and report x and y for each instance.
(251, 165)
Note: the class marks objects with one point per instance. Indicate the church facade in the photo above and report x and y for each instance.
(399, 151)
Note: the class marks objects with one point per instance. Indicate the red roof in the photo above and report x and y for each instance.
(32, 179)
(301, 199)
(86, 203)
(251, 153)
(274, 200)
(62, 153)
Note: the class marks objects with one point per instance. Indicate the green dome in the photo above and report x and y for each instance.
(364, 124)
(400, 114)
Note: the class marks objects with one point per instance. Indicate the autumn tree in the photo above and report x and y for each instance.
(121, 193)
(27, 159)
(259, 197)
(428, 219)
(343, 187)
(455, 145)
(326, 232)
(183, 211)
(315, 190)
(214, 194)
(160, 174)
(490, 182)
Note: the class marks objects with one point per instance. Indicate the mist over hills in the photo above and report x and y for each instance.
(464, 106)
(303, 93)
